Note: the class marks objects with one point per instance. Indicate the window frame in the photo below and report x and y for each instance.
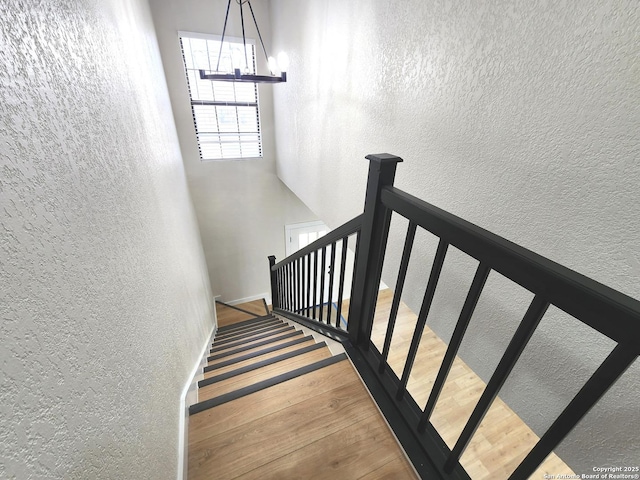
(199, 102)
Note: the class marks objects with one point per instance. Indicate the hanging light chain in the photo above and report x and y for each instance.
(247, 76)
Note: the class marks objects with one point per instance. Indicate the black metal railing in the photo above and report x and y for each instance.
(611, 313)
(313, 283)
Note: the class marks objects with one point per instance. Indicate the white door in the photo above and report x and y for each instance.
(299, 235)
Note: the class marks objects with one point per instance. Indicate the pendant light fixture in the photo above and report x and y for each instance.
(278, 68)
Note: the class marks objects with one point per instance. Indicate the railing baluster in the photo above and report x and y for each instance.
(291, 305)
(283, 303)
(290, 285)
(282, 288)
(283, 283)
(315, 284)
(295, 285)
(603, 378)
(531, 319)
(332, 267)
(479, 280)
(322, 270)
(353, 276)
(343, 261)
(285, 279)
(279, 286)
(422, 316)
(300, 286)
(402, 273)
(304, 290)
(309, 305)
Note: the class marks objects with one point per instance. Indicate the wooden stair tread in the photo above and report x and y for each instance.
(266, 383)
(228, 368)
(259, 363)
(356, 450)
(255, 376)
(257, 352)
(280, 420)
(250, 408)
(253, 338)
(253, 346)
(246, 330)
(246, 325)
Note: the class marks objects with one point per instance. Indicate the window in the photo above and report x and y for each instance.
(225, 114)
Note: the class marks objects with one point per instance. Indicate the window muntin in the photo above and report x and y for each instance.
(225, 114)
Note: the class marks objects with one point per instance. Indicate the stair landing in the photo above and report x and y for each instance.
(320, 423)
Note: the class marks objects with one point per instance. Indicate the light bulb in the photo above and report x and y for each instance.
(283, 61)
(273, 66)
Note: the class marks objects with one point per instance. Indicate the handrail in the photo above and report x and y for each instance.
(610, 312)
(297, 280)
(344, 230)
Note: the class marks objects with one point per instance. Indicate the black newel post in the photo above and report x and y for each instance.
(274, 283)
(373, 243)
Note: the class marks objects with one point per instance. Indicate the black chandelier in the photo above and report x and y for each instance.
(278, 69)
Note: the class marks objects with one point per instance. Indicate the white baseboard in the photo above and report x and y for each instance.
(266, 296)
(189, 397)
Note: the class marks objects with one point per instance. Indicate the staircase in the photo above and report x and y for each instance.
(278, 402)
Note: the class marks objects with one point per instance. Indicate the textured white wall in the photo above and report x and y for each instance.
(105, 301)
(241, 206)
(520, 116)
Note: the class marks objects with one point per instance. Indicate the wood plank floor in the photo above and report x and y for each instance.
(229, 316)
(319, 425)
(502, 440)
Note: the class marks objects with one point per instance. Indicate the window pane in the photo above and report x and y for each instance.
(245, 92)
(248, 119)
(200, 54)
(223, 91)
(303, 240)
(227, 119)
(231, 129)
(231, 150)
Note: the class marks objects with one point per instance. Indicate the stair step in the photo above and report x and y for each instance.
(365, 447)
(240, 358)
(234, 342)
(248, 331)
(262, 374)
(259, 364)
(244, 335)
(228, 397)
(235, 351)
(320, 425)
(243, 323)
(248, 328)
(247, 410)
(263, 357)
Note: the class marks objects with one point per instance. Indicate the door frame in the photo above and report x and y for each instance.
(294, 226)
